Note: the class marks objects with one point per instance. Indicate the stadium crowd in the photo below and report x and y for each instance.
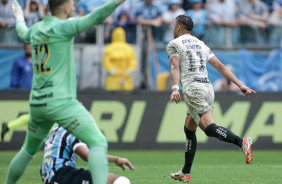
(246, 21)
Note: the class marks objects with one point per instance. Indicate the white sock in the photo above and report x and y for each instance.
(122, 180)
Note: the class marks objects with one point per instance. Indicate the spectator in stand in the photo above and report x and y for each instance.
(163, 4)
(253, 17)
(87, 6)
(84, 8)
(7, 23)
(33, 12)
(46, 10)
(224, 16)
(119, 61)
(199, 17)
(277, 3)
(269, 4)
(275, 23)
(275, 18)
(22, 70)
(169, 18)
(128, 23)
(148, 14)
(129, 6)
(207, 3)
(187, 4)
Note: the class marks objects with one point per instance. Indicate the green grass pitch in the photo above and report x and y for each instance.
(210, 167)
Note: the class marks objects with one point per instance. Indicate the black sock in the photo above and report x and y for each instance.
(223, 134)
(190, 149)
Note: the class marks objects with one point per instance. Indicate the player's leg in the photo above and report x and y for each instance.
(190, 150)
(76, 120)
(97, 144)
(23, 157)
(19, 122)
(191, 143)
(191, 124)
(34, 139)
(207, 124)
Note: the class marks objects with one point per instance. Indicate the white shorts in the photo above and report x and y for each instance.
(198, 98)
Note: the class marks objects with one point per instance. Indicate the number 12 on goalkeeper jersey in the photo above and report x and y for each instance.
(42, 56)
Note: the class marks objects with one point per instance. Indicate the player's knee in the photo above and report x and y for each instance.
(25, 154)
(209, 131)
(32, 144)
(122, 180)
(191, 135)
(187, 131)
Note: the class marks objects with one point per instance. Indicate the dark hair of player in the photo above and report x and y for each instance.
(54, 4)
(185, 21)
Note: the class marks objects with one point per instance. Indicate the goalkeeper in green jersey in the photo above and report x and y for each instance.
(53, 94)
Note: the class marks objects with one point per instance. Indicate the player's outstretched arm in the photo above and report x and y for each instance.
(214, 61)
(83, 151)
(97, 16)
(120, 162)
(21, 27)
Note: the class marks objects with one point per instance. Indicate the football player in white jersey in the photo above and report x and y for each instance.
(188, 57)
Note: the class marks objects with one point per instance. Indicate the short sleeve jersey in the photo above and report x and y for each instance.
(54, 75)
(59, 151)
(193, 55)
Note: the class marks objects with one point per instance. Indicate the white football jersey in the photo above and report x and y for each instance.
(193, 55)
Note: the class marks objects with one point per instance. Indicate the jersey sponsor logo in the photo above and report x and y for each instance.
(50, 95)
(38, 105)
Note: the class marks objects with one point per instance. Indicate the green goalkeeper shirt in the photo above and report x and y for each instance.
(54, 75)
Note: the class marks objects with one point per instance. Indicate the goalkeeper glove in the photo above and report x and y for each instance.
(118, 2)
(17, 11)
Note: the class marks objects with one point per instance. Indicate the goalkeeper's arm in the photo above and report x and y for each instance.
(98, 16)
(21, 27)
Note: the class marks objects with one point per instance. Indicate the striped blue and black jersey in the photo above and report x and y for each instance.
(58, 152)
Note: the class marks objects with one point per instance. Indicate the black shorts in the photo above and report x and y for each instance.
(71, 175)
